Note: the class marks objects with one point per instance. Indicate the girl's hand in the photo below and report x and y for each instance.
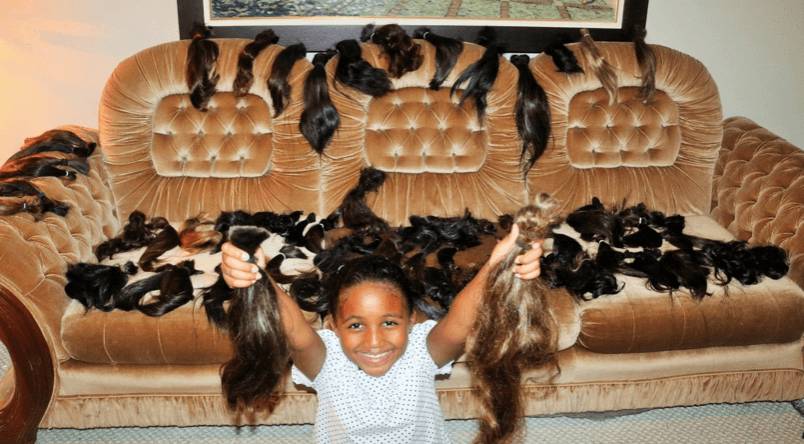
(236, 271)
(528, 266)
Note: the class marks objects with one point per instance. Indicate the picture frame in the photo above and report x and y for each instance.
(320, 33)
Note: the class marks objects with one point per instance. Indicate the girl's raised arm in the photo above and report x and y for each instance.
(447, 339)
(306, 348)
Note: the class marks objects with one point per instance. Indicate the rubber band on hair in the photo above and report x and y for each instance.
(424, 36)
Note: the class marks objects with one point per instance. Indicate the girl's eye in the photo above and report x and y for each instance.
(355, 325)
(390, 323)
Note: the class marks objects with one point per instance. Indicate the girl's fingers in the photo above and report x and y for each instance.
(529, 262)
(504, 246)
(236, 271)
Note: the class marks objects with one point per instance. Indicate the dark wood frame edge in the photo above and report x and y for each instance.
(33, 378)
(518, 39)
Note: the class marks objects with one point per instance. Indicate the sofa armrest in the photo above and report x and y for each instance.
(758, 190)
(35, 255)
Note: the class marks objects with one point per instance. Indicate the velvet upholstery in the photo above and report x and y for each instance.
(637, 349)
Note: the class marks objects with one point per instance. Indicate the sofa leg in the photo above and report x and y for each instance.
(26, 389)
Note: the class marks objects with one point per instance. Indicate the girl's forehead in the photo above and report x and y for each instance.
(371, 297)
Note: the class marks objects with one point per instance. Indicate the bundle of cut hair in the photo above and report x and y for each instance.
(646, 59)
(447, 52)
(354, 212)
(97, 285)
(278, 85)
(262, 354)
(137, 233)
(320, 119)
(201, 76)
(563, 58)
(481, 74)
(403, 54)
(599, 66)
(41, 165)
(22, 196)
(170, 283)
(354, 71)
(532, 114)
(245, 61)
(514, 330)
(61, 141)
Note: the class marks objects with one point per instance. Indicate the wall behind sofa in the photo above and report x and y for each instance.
(55, 56)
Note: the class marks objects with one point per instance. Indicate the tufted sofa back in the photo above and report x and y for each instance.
(662, 153)
(166, 158)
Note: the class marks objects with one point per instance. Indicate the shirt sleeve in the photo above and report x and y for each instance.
(330, 341)
(418, 341)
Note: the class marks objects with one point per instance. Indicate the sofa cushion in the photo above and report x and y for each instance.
(641, 320)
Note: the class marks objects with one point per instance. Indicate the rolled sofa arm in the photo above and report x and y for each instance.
(35, 255)
(758, 190)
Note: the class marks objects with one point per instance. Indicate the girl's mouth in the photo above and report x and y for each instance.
(375, 359)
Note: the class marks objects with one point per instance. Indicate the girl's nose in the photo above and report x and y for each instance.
(374, 338)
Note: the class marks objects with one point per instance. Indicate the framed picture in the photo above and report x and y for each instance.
(524, 26)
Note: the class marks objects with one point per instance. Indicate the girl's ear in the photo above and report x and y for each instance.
(412, 321)
(330, 324)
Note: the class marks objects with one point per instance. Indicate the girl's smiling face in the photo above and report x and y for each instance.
(372, 324)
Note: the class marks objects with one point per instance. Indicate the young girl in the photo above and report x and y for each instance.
(374, 369)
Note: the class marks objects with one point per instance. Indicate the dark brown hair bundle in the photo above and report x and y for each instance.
(262, 354)
(532, 114)
(278, 85)
(403, 54)
(320, 119)
(20, 195)
(245, 61)
(514, 330)
(201, 77)
(354, 71)
(62, 141)
(41, 165)
(447, 52)
(480, 75)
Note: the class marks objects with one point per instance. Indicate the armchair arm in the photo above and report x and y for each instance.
(35, 255)
(758, 190)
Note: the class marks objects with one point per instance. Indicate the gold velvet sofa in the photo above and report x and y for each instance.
(634, 350)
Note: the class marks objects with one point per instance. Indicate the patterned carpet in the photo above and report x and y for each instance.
(591, 10)
(760, 422)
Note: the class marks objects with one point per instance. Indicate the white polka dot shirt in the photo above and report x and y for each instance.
(398, 407)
